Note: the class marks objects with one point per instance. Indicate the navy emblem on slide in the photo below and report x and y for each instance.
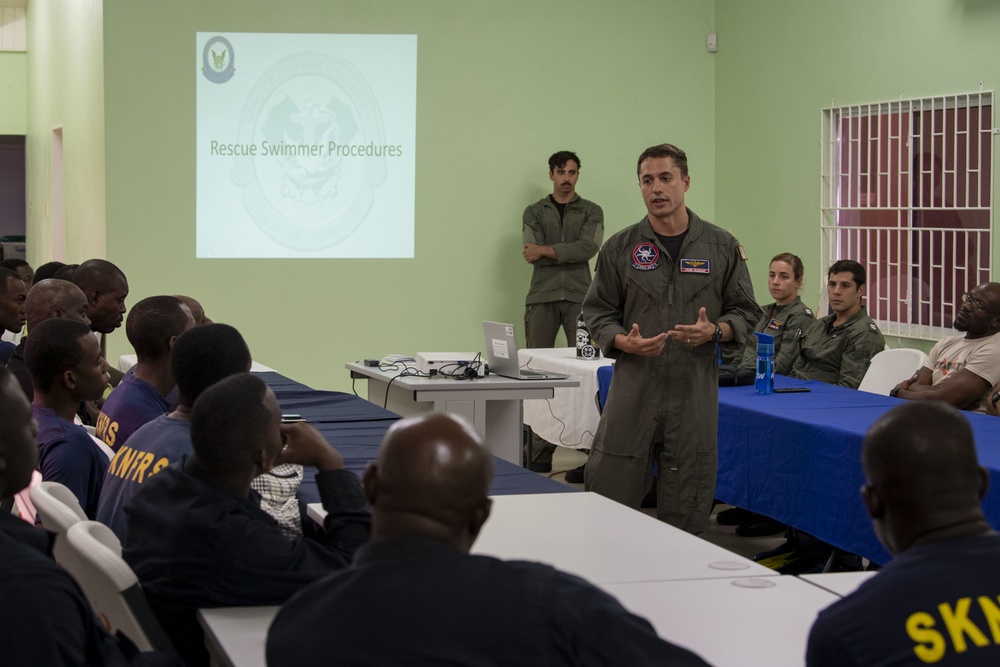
(695, 266)
(310, 200)
(645, 257)
(218, 63)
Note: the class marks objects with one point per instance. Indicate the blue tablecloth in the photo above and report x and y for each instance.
(797, 458)
(355, 428)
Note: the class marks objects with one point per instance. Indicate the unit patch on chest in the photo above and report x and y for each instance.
(645, 257)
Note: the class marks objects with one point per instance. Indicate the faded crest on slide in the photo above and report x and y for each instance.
(309, 199)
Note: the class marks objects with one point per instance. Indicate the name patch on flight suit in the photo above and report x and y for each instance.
(574, 209)
(695, 266)
(774, 324)
(645, 257)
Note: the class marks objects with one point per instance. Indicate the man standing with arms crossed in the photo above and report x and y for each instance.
(561, 233)
(666, 292)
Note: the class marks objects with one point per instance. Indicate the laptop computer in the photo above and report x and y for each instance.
(501, 352)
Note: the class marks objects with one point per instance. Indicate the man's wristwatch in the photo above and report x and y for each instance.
(894, 392)
(718, 333)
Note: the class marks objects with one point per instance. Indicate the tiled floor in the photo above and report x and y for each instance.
(724, 536)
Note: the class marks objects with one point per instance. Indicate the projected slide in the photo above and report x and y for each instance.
(305, 145)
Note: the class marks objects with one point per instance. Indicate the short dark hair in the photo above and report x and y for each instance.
(152, 323)
(97, 274)
(66, 272)
(792, 260)
(204, 355)
(52, 349)
(679, 157)
(228, 421)
(561, 158)
(47, 270)
(849, 265)
(6, 275)
(14, 263)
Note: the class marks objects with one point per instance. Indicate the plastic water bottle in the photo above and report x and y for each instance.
(764, 379)
(585, 347)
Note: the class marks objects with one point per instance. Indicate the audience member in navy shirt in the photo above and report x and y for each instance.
(46, 619)
(48, 299)
(12, 295)
(414, 595)
(106, 289)
(200, 358)
(66, 366)
(197, 310)
(21, 268)
(196, 535)
(152, 327)
(936, 600)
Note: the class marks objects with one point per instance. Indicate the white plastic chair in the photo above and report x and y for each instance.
(112, 587)
(890, 367)
(107, 451)
(58, 510)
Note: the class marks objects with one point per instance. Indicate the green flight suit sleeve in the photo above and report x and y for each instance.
(588, 242)
(531, 226)
(739, 307)
(603, 307)
(584, 237)
(796, 326)
(863, 344)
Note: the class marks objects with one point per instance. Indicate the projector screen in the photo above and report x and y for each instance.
(305, 145)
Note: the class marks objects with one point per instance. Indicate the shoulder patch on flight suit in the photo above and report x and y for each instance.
(645, 256)
(695, 266)
(809, 312)
(743, 253)
(871, 325)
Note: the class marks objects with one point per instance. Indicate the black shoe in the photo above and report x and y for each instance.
(575, 476)
(759, 526)
(540, 466)
(733, 517)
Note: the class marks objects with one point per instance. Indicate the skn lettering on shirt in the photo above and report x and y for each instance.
(946, 366)
(958, 631)
(106, 429)
(133, 464)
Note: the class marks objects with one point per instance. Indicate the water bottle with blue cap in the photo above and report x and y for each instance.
(764, 379)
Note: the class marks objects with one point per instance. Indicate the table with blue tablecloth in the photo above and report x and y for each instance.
(355, 427)
(797, 458)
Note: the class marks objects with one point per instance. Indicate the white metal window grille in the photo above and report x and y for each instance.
(907, 191)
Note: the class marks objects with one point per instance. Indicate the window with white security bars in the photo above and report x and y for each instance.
(907, 191)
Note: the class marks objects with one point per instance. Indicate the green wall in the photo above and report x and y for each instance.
(66, 89)
(13, 92)
(501, 85)
(780, 62)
